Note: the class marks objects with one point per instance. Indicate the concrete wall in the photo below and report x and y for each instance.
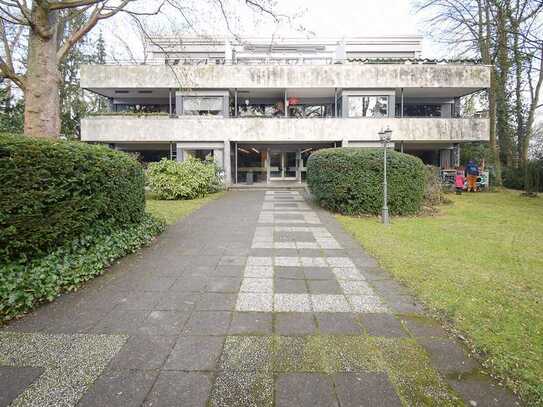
(160, 128)
(289, 76)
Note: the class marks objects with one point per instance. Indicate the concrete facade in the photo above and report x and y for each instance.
(110, 129)
(464, 77)
(261, 108)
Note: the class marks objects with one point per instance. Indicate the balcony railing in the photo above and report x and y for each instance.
(133, 128)
(173, 60)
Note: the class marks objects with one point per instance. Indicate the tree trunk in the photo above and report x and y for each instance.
(502, 74)
(42, 101)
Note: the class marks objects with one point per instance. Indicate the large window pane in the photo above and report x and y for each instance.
(368, 106)
(201, 106)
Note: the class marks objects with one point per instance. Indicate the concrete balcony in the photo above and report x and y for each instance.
(127, 129)
(464, 78)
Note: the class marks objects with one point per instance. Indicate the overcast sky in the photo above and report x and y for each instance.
(318, 18)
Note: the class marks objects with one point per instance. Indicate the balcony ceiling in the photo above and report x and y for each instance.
(128, 93)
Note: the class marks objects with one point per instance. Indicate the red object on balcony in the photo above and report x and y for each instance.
(293, 101)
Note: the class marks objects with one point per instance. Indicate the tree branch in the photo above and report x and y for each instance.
(61, 5)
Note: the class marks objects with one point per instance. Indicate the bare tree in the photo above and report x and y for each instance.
(45, 22)
(503, 34)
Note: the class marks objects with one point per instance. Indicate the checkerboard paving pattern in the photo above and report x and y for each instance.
(294, 197)
(288, 217)
(264, 284)
(269, 237)
(285, 206)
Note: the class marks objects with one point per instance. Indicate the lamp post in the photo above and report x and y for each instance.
(385, 135)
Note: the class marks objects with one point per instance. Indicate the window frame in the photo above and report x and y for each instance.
(349, 97)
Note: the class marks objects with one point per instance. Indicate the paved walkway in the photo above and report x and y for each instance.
(256, 299)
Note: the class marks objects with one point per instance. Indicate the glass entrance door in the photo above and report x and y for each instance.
(290, 165)
(283, 165)
(276, 165)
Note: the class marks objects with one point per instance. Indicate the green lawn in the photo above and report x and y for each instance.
(479, 265)
(172, 211)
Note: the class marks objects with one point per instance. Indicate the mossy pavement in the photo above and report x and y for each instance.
(165, 326)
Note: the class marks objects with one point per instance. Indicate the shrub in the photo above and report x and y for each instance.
(52, 191)
(25, 284)
(188, 179)
(433, 188)
(350, 180)
(515, 178)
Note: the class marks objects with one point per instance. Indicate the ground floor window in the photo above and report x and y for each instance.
(199, 154)
(251, 164)
(270, 163)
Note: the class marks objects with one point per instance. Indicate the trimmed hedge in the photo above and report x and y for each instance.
(189, 179)
(350, 181)
(26, 284)
(52, 191)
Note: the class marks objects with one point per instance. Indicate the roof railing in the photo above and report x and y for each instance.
(173, 61)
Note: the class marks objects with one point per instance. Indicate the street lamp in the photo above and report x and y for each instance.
(385, 135)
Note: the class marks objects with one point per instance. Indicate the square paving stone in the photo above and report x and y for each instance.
(229, 271)
(286, 286)
(179, 301)
(257, 285)
(14, 380)
(233, 261)
(338, 323)
(296, 273)
(242, 389)
(248, 353)
(365, 389)
(119, 388)
(447, 356)
(292, 303)
(324, 287)
(164, 323)
(479, 390)
(208, 323)
(140, 300)
(294, 323)
(224, 284)
(180, 389)
(318, 273)
(254, 302)
(294, 237)
(356, 287)
(367, 304)
(304, 390)
(423, 327)
(258, 272)
(122, 321)
(54, 319)
(143, 352)
(252, 323)
(216, 302)
(157, 283)
(329, 303)
(190, 284)
(195, 353)
(383, 325)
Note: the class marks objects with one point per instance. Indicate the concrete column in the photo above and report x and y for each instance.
(345, 143)
(179, 152)
(218, 156)
(227, 163)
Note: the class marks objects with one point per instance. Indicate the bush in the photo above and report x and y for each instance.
(25, 284)
(515, 178)
(433, 188)
(350, 180)
(52, 191)
(188, 179)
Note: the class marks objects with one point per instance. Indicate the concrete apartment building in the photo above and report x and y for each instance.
(262, 108)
